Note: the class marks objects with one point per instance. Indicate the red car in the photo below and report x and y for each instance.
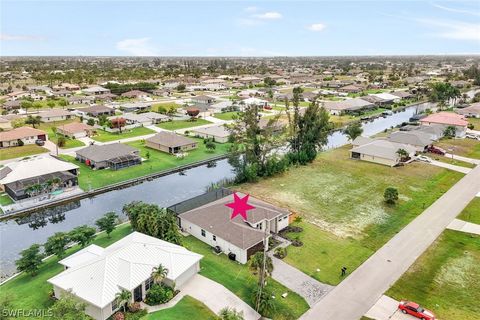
(415, 310)
(436, 150)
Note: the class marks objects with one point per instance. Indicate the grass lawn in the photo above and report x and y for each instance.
(475, 122)
(20, 152)
(156, 106)
(226, 115)
(104, 136)
(449, 160)
(471, 213)
(462, 147)
(187, 308)
(92, 179)
(69, 143)
(32, 292)
(238, 279)
(341, 121)
(182, 124)
(5, 199)
(445, 278)
(344, 198)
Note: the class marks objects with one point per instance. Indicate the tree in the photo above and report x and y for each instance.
(57, 244)
(124, 298)
(263, 299)
(118, 123)
(402, 153)
(51, 104)
(181, 87)
(30, 260)
(147, 155)
(107, 222)
(63, 103)
(450, 132)
(256, 263)
(353, 130)
(442, 92)
(91, 122)
(210, 145)
(82, 234)
(33, 120)
(61, 141)
(159, 273)
(193, 113)
(25, 104)
(231, 314)
(390, 195)
(37, 105)
(68, 307)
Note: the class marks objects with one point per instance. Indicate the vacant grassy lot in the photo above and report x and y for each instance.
(462, 147)
(445, 278)
(238, 279)
(182, 124)
(451, 161)
(32, 292)
(344, 198)
(471, 213)
(104, 136)
(48, 127)
(92, 179)
(187, 308)
(226, 115)
(20, 152)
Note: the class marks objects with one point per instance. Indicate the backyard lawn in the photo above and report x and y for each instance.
(20, 152)
(29, 293)
(461, 147)
(471, 213)
(445, 278)
(187, 308)
(226, 115)
(69, 143)
(92, 179)
(344, 199)
(5, 199)
(104, 136)
(238, 279)
(182, 124)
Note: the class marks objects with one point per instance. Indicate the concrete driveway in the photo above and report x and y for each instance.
(386, 308)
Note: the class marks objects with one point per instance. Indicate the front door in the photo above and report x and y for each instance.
(137, 293)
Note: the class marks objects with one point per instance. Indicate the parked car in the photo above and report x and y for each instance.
(414, 309)
(39, 142)
(424, 159)
(436, 150)
(267, 107)
(472, 136)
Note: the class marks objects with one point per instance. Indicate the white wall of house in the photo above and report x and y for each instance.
(55, 118)
(227, 247)
(91, 310)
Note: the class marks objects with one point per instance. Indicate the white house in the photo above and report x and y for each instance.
(95, 275)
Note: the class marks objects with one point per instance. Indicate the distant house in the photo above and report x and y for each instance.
(114, 156)
(203, 99)
(402, 94)
(218, 133)
(97, 110)
(81, 100)
(205, 110)
(76, 130)
(52, 175)
(447, 119)
(135, 94)
(95, 275)
(471, 111)
(170, 142)
(55, 115)
(237, 238)
(352, 88)
(11, 105)
(26, 135)
(62, 93)
(387, 97)
(348, 106)
(381, 151)
(134, 106)
(146, 118)
(96, 90)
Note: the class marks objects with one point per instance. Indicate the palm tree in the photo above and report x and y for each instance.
(263, 300)
(123, 298)
(159, 273)
(231, 314)
(256, 264)
(402, 153)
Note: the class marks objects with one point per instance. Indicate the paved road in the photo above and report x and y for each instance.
(352, 298)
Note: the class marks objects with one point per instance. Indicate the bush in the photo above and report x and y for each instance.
(118, 316)
(390, 195)
(280, 252)
(470, 126)
(159, 293)
(134, 307)
(136, 315)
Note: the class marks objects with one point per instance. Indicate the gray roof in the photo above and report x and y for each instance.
(383, 149)
(359, 141)
(170, 139)
(215, 218)
(96, 109)
(414, 138)
(99, 153)
(218, 131)
(350, 104)
(144, 117)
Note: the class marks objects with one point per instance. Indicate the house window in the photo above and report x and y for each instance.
(214, 238)
(203, 233)
(114, 305)
(148, 283)
(259, 226)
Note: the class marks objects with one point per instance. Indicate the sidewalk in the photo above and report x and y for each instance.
(464, 226)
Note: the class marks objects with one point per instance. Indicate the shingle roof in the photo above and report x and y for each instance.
(20, 133)
(219, 131)
(170, 139)
(75, 127)
(383, 149)
(349, 104)
(447, 118)
(106, 152)
(414, 138)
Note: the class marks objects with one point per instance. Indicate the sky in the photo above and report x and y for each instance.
(238, 28)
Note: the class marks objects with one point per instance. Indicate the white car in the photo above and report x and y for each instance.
(424, 159)
(472, 136)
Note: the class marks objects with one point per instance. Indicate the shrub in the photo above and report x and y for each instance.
(134, 307)
(390, 195)
(159, 293)
(470, 126)
(136, 315)
(280, 252)
(118, 316)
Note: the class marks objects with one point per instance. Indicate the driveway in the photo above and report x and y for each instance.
(352, 298)
(465, 159)
(464, 226)
(386, 308)
(449, 166)
(213, 295)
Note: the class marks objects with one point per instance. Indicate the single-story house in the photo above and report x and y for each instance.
(388, 97)
(25, 134)
(146, 118)
(95, 275)
(81, 99)
(376, 100)
(402, 94)
(134, 106)
(348, 106)
(352, 88)
(13, 104)
(204, 109)
(38, 175)
(170, 142)
(114, 156)
(97, 110)
(55, 115)
(255, 101)
(76, 130)
(381, 151)
(62, 93)
(472, 111)
(203, 99)
(95, 90)
(105, 97)
(137, 94)
(447, 119)
(237, 238)
(417, 139)
(218, 133)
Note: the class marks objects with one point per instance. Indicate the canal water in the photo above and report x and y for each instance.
(16, 235)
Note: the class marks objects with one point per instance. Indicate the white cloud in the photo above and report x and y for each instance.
(473, 12)
(316, 27)
(251, 9)
(136, 47)
(11, 37)
(454, 29)
(270, 15)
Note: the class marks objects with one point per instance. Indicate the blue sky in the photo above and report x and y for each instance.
(238, 28)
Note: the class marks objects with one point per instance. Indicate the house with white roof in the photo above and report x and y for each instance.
(95, 275)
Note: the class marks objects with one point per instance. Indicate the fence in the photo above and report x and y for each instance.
(200, 200)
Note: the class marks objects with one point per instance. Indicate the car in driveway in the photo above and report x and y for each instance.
(424, 159)
(436, 150)
(414, 309)
(472, 136)
(39, 142)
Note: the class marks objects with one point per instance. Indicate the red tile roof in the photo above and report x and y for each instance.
(447, 118)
